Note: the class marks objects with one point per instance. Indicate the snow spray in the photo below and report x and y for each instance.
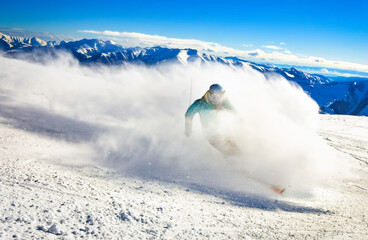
(132, 117)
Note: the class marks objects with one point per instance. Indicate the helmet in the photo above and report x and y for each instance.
(216, 94)
(216, 88)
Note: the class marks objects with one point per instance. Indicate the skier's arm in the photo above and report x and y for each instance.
(229, 106)
(192, 110)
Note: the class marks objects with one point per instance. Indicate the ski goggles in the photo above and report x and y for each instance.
(216, 97)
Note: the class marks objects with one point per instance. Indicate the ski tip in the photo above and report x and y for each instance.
(277, 190)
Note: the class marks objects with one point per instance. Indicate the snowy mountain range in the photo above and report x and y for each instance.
(11, 42)
(333, 97)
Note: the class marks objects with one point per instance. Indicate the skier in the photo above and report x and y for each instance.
(213, 102)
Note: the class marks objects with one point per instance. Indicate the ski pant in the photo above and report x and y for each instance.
(225, 145)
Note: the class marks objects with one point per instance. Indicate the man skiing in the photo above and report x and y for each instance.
(208, 107)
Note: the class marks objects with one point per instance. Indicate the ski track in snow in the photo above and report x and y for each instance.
(42, 196)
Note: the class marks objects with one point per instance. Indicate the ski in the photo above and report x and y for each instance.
(274, 188)
(277, 190)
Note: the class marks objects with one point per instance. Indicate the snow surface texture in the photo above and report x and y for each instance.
(101, 153)
(44, 198)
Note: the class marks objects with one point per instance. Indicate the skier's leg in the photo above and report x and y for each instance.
(225, 145)
(232, 147)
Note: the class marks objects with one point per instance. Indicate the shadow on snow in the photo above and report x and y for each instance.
(249, 200)
(49, 124)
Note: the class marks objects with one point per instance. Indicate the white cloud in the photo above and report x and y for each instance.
(324, 70)
(271, 47)
(132, 39)
(282, 43)
(341, 74)
(146, 40)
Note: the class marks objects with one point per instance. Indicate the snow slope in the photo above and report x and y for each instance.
(44, 194)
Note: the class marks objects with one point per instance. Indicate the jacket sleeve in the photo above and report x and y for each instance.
(192, 110)
(229, 106)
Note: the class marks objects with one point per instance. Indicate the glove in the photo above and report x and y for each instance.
(187, 132)
(188, 127)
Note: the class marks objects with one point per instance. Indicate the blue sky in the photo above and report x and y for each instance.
(331, 30)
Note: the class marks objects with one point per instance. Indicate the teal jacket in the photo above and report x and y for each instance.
(206, 111)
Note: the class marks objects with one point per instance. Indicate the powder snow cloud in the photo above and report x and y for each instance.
(131, 118)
